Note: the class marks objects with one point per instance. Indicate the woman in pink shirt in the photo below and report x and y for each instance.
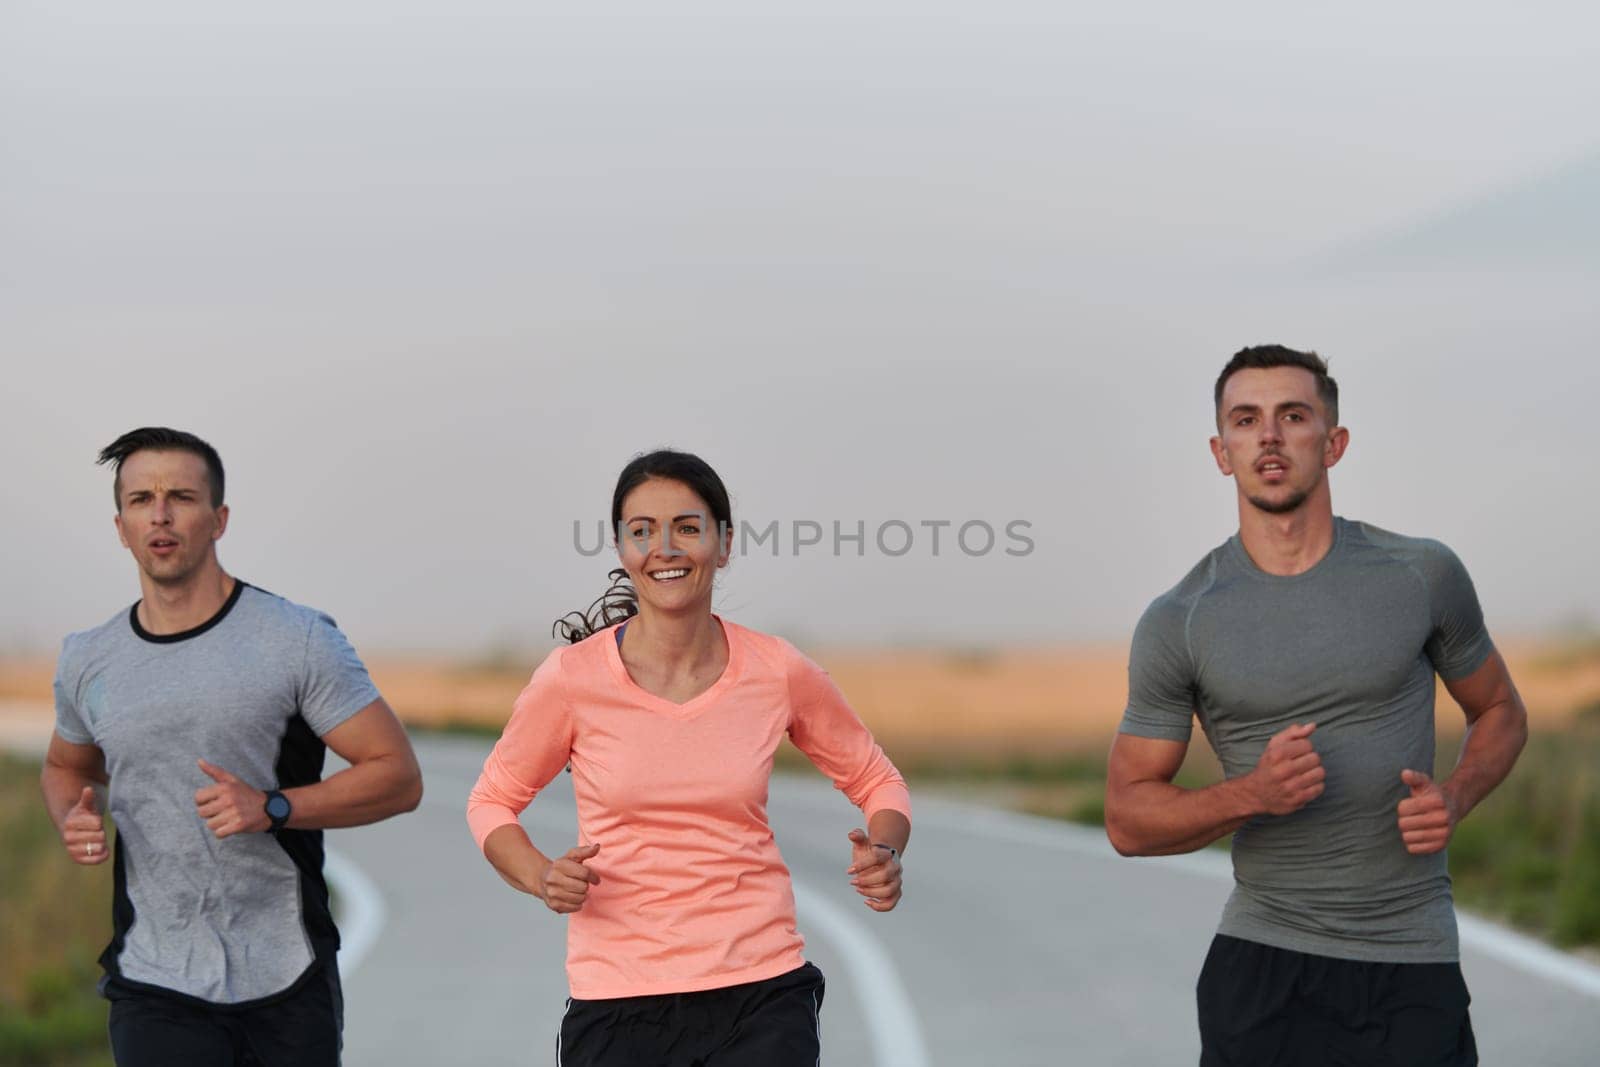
(681, 944)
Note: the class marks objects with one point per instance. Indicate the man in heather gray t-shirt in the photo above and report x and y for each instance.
(204, 711)
(1352, 645)
(252, 690)
(1308, 645)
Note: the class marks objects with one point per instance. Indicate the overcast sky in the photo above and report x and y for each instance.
(428, 275)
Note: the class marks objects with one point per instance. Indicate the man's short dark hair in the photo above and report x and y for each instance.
(1262, 357)
(161, 439)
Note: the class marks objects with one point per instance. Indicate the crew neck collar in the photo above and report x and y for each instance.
(1252, 568)
(239, 587)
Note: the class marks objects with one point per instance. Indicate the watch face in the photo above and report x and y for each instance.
(278, 806)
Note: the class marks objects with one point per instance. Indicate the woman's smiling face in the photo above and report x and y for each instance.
(670, 546)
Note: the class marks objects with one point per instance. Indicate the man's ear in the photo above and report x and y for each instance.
(1220, 454)
(1333, 451)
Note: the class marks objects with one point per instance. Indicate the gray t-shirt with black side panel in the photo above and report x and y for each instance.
(251, 690)
(1352, 645)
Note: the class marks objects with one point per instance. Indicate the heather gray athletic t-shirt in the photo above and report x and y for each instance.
(1351, 645)
(251, 690)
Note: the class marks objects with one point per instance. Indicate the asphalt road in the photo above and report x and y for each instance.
(1020, 941)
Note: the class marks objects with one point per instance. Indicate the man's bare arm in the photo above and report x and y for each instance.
(1146, 815)
(383, 779)
(1497, 728)
(68, 768)
(68, 780)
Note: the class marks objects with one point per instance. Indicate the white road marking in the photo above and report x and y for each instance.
(1532, 957)
(361, 910)
(891, 1020)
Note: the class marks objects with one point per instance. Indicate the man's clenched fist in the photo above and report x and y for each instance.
(1289, 774)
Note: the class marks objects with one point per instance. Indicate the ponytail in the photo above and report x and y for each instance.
(617, 604)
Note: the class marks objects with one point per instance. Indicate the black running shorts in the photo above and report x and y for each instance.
(303, 1029)
(772, 1023)
(1269, 1007)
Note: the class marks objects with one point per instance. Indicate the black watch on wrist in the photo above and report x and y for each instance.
(278, 809)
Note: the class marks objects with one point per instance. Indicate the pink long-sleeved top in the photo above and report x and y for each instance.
(693, 893)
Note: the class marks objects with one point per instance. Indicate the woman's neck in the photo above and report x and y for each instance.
(676, 642)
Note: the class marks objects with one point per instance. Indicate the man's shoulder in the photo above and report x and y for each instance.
(1200, 580)
(270, 608)
(115, 626)
(1166, 618)
(77, 646)
(1424, 553)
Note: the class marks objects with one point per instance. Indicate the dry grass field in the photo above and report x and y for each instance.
(993, 700)
(1041, 700)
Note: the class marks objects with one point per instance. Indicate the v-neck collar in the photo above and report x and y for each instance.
(695, 704)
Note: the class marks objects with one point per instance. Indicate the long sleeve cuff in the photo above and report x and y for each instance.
(484, 817)
(890, 796)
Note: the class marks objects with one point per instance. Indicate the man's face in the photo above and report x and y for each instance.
(164, 515)
(1274, 439)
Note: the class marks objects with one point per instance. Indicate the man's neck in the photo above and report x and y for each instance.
(1291, 543)
(173, 608)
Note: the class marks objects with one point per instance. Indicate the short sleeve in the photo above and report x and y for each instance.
(824, 727)
(334, 683)
(70, 723)
(535, 746)
(1161, 685)
(1458, 642)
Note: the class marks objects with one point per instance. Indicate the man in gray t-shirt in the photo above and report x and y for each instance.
(1307, 646)
(205, 710)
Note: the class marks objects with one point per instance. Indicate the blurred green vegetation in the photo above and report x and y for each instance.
(458, 726)
(57, 918)
(1530, 853)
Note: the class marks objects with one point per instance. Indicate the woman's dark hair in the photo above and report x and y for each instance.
(620, 602)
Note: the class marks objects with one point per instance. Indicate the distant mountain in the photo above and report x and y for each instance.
(1551, 221)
